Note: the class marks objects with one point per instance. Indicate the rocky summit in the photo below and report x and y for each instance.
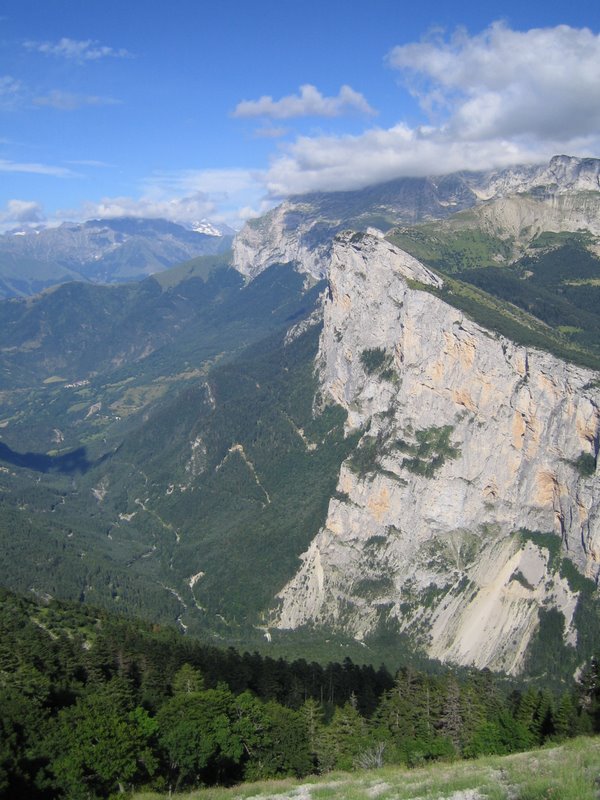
(563, 195)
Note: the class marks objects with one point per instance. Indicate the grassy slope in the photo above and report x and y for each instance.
(566, 772)
(549, 297)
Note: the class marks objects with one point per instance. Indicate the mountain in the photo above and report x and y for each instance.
(340, 440)
(101, 251)
(468, 444)
(562, 195)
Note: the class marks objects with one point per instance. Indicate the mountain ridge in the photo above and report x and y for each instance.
(100, 251)
(300, 229)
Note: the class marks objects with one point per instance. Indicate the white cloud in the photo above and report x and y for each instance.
(494, 99)
(322, 164)
(270, 132)
(308, 103)
(229, 196)
(36, 169)
(182, 210)
(544, 82)
(10, 91)
(19, 212)
(77, 50)
(219, 182)
(90, 162)
(66, 101)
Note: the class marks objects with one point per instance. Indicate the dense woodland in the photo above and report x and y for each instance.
(93, 705)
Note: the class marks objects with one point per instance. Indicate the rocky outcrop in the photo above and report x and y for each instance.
(469, 444)
(520, 218)
(562, 175)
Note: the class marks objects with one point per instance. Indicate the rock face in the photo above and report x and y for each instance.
(561, 195)
(562, 175)
(470, 443)
(280, 237)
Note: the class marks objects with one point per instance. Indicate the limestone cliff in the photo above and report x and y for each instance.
(280, 237)
(469, 444)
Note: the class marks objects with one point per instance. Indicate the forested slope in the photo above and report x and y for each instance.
(92, 704)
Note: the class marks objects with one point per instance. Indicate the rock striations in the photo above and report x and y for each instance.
(466, 487)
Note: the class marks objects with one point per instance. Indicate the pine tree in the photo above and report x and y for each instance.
(187, 680)
(565, 717)
(543, 720)
(451, 720)
(311, 716)
(342, 740)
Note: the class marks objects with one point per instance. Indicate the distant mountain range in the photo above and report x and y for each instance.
(101, 251)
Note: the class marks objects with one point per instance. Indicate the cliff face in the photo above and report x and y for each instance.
(280, 237)
(469, 443)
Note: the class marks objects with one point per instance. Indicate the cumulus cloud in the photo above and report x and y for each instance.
(77, 50)
(20, 213)
(544, 82)
(493, 99)
(321, 164)
(308, 103)
(182, 210)
(67, 101)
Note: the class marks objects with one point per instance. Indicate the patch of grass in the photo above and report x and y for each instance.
(520, 578)
(377, 361)
(200, 268)
(553, 239)
(577, 582)
(568, 772)
(364, 458)
(452, 250)
(372, 359)
(371, 588)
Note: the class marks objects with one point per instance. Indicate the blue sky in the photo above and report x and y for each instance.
(217, 109)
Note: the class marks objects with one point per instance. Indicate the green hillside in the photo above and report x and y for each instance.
(545, 294)
(200, 458)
